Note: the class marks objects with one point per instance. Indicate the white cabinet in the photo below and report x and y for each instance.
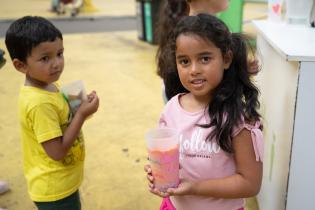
(287, 86)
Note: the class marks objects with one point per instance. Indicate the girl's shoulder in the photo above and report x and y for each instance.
(173, 102)
(256, 134)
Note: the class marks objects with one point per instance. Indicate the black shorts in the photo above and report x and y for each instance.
(72, 202)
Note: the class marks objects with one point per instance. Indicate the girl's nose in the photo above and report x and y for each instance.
(195, 69)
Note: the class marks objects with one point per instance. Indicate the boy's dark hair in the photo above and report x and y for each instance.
(236, 97)
(171, 12)
(26, 33)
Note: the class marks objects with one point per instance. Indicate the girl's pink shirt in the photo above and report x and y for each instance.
(201, 160)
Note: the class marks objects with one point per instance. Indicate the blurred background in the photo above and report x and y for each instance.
(110, 45)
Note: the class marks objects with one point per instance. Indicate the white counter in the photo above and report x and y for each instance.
(287, 86)
(293, 42)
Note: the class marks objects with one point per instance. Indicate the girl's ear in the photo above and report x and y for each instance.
(19, 65)
(228, 59)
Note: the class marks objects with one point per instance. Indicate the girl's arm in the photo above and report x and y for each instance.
(58, 148)
(245, 183)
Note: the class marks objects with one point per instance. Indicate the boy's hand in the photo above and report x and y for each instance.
(89, 106)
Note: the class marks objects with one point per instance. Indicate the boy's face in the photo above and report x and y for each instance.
(45, 64)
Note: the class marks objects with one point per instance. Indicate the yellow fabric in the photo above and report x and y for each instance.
(44, 116)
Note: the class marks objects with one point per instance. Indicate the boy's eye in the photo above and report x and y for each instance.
(45, 58)
(60, 54)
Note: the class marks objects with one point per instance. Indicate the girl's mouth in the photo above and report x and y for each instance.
(198, 83)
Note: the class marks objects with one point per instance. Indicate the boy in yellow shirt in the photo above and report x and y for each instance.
(52, 143)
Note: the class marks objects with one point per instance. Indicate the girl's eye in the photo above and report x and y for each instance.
(205, 59)
(183, 62)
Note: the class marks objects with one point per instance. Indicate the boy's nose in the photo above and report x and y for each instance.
(56, 62)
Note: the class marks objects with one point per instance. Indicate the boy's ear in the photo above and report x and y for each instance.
(228, 59)
(19, 65)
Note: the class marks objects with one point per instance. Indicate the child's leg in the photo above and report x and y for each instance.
(71, 202)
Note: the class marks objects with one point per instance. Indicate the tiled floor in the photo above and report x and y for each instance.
(122, 70)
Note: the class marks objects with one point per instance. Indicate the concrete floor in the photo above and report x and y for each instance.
(16, 8)
(122, 70)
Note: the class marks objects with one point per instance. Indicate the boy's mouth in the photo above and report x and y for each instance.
(55, 73)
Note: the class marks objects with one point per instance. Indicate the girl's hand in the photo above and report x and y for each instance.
(184, 188)
(150, 178)
(89, 106)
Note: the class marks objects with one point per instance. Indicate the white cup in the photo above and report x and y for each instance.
(74, 93)
(298, 11)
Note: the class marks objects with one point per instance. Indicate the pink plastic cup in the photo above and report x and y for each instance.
(163, 148)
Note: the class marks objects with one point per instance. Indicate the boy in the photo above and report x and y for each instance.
(52, 145)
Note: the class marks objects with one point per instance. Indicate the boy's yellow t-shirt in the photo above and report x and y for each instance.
(43, 116)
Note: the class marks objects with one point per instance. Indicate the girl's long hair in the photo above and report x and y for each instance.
(236, 97)
(171, 11)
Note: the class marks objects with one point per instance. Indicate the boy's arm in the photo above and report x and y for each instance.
(58, 148)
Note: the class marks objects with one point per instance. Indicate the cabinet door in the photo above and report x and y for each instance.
(277, 82)
(301, 183)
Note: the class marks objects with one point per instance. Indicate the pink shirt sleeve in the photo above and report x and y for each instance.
(257, 138)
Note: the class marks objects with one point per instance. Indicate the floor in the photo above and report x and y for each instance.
(122, 71)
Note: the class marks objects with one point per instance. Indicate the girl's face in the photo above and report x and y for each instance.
(200, 65)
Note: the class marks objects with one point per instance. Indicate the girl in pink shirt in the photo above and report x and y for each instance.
(221, 143)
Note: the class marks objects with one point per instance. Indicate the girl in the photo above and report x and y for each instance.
(221, 143)
(171, 12)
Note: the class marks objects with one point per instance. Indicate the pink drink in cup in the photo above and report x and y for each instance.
(163, 148)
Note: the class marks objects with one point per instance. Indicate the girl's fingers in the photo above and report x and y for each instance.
(151, 186)
(147, 169)
(164, 194)
(150, 178)
(171, 191)
(157, 192)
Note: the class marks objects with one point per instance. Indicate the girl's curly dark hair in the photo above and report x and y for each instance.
(171, 11)
(236, 97)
